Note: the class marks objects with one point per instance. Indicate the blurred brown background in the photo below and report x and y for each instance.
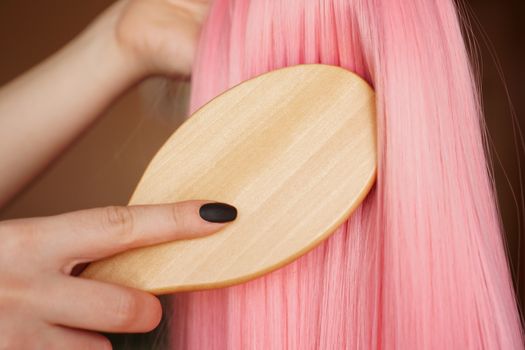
(105, 164)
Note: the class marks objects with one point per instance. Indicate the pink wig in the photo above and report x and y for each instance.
(421, 264)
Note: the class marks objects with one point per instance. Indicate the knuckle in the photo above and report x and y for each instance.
(178, 219)
(126, 311)
(118, 220)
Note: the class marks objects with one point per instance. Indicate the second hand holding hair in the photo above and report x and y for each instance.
(132, 40)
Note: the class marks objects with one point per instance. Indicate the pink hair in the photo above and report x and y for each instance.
(421, 264)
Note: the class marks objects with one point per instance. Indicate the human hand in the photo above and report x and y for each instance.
(160, 35)
(131, 40)
(43, 306)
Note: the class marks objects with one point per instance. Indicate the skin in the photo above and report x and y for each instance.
(42, 306)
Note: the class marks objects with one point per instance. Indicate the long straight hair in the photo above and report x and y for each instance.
(421, 264)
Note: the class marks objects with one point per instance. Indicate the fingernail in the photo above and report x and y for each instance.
(218, 212)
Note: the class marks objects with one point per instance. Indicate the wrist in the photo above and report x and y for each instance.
(107, 52)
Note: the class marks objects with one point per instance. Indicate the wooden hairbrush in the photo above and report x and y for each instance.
(294, 150)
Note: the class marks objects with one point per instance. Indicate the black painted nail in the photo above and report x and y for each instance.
(218, 212)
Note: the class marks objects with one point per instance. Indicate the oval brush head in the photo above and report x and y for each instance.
(294, 150)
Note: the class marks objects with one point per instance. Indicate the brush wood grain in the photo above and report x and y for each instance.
(294, 150)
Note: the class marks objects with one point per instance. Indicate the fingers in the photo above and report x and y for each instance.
(35, 286)
(97, 233)
(92, 305)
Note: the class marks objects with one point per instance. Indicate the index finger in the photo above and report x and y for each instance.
(93, 234)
